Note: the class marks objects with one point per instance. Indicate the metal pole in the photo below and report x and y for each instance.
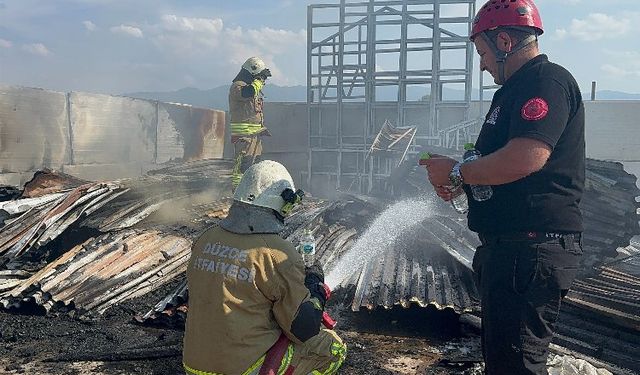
(371, 66)
(402, 84)
(340, 91)
(309, 90)
(435, 70)
(469, 65)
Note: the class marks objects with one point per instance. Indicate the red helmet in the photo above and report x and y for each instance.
(496, 13)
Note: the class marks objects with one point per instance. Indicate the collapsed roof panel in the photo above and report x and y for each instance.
(103, 271)
(600, 315)
(144, 228)
(46, 218)
(130, 259)
(613, 292)
(46, 182)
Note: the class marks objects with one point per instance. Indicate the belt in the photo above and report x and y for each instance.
(486, 238)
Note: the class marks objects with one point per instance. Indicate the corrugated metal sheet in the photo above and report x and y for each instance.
(104, 271)
(46, 220)
(130, 259)
(400, 279)
(613, 292)
(600, 316)
(406, 274)
(420, 270)
(609, 209)
(34, 129)
(428, 268)
(170, 310)
(109, 129)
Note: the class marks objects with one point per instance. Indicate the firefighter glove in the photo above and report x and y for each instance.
(263, 75)
(313, 274)
(314, 281)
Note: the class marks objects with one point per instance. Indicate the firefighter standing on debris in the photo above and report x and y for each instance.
(246, 116)
(252, 302)
(533, 148)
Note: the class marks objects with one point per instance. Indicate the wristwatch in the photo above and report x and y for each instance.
(455, 176)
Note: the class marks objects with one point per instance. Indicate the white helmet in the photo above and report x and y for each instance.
(254, 65)
(268, 184)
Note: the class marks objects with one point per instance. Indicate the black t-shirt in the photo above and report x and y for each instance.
(541, 101)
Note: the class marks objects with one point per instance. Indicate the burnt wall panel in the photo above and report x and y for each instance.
(189, 133)
(108, 129)
(34, 129)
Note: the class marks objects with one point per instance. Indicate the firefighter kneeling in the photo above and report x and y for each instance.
(253, 306)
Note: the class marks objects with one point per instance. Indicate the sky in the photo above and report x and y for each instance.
(120, 46)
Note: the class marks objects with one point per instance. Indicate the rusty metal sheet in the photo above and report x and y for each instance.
(613, 292)
(43, 223)
(189, 133)
(104, 271)
(47, 182)
(34, 129)
(600, 316)
(109, 129)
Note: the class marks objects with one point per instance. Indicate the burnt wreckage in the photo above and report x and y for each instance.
(80, 247)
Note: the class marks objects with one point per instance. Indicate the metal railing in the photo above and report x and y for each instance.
(457, 135)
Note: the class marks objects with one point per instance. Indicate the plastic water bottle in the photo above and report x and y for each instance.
(308, 248)
(459, 203)
(480, 192)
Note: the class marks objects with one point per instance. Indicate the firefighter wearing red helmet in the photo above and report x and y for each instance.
(533, 157)
(518, 15)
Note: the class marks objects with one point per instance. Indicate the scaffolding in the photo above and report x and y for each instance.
(406, 61)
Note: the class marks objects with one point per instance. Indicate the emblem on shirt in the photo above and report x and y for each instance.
(493, 117)
(535, 109)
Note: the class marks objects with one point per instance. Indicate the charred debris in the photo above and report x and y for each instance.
(80, 248)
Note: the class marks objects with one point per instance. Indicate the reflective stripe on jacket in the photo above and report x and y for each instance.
(246, 129)
(254, 369)
(245, 111)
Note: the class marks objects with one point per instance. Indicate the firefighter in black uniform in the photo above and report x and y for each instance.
(533, 148)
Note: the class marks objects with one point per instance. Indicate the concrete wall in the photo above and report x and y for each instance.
(96, 137)
(612, 130)
(289, 143)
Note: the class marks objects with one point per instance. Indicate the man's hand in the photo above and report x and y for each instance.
(439, 168)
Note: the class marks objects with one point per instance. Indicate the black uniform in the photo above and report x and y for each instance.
(531, 228)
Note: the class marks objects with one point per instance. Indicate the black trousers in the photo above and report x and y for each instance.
(521, 283)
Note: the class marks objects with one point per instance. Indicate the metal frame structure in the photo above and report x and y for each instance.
(346, 81)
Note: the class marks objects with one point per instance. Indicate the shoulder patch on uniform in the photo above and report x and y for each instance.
(535, 109)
